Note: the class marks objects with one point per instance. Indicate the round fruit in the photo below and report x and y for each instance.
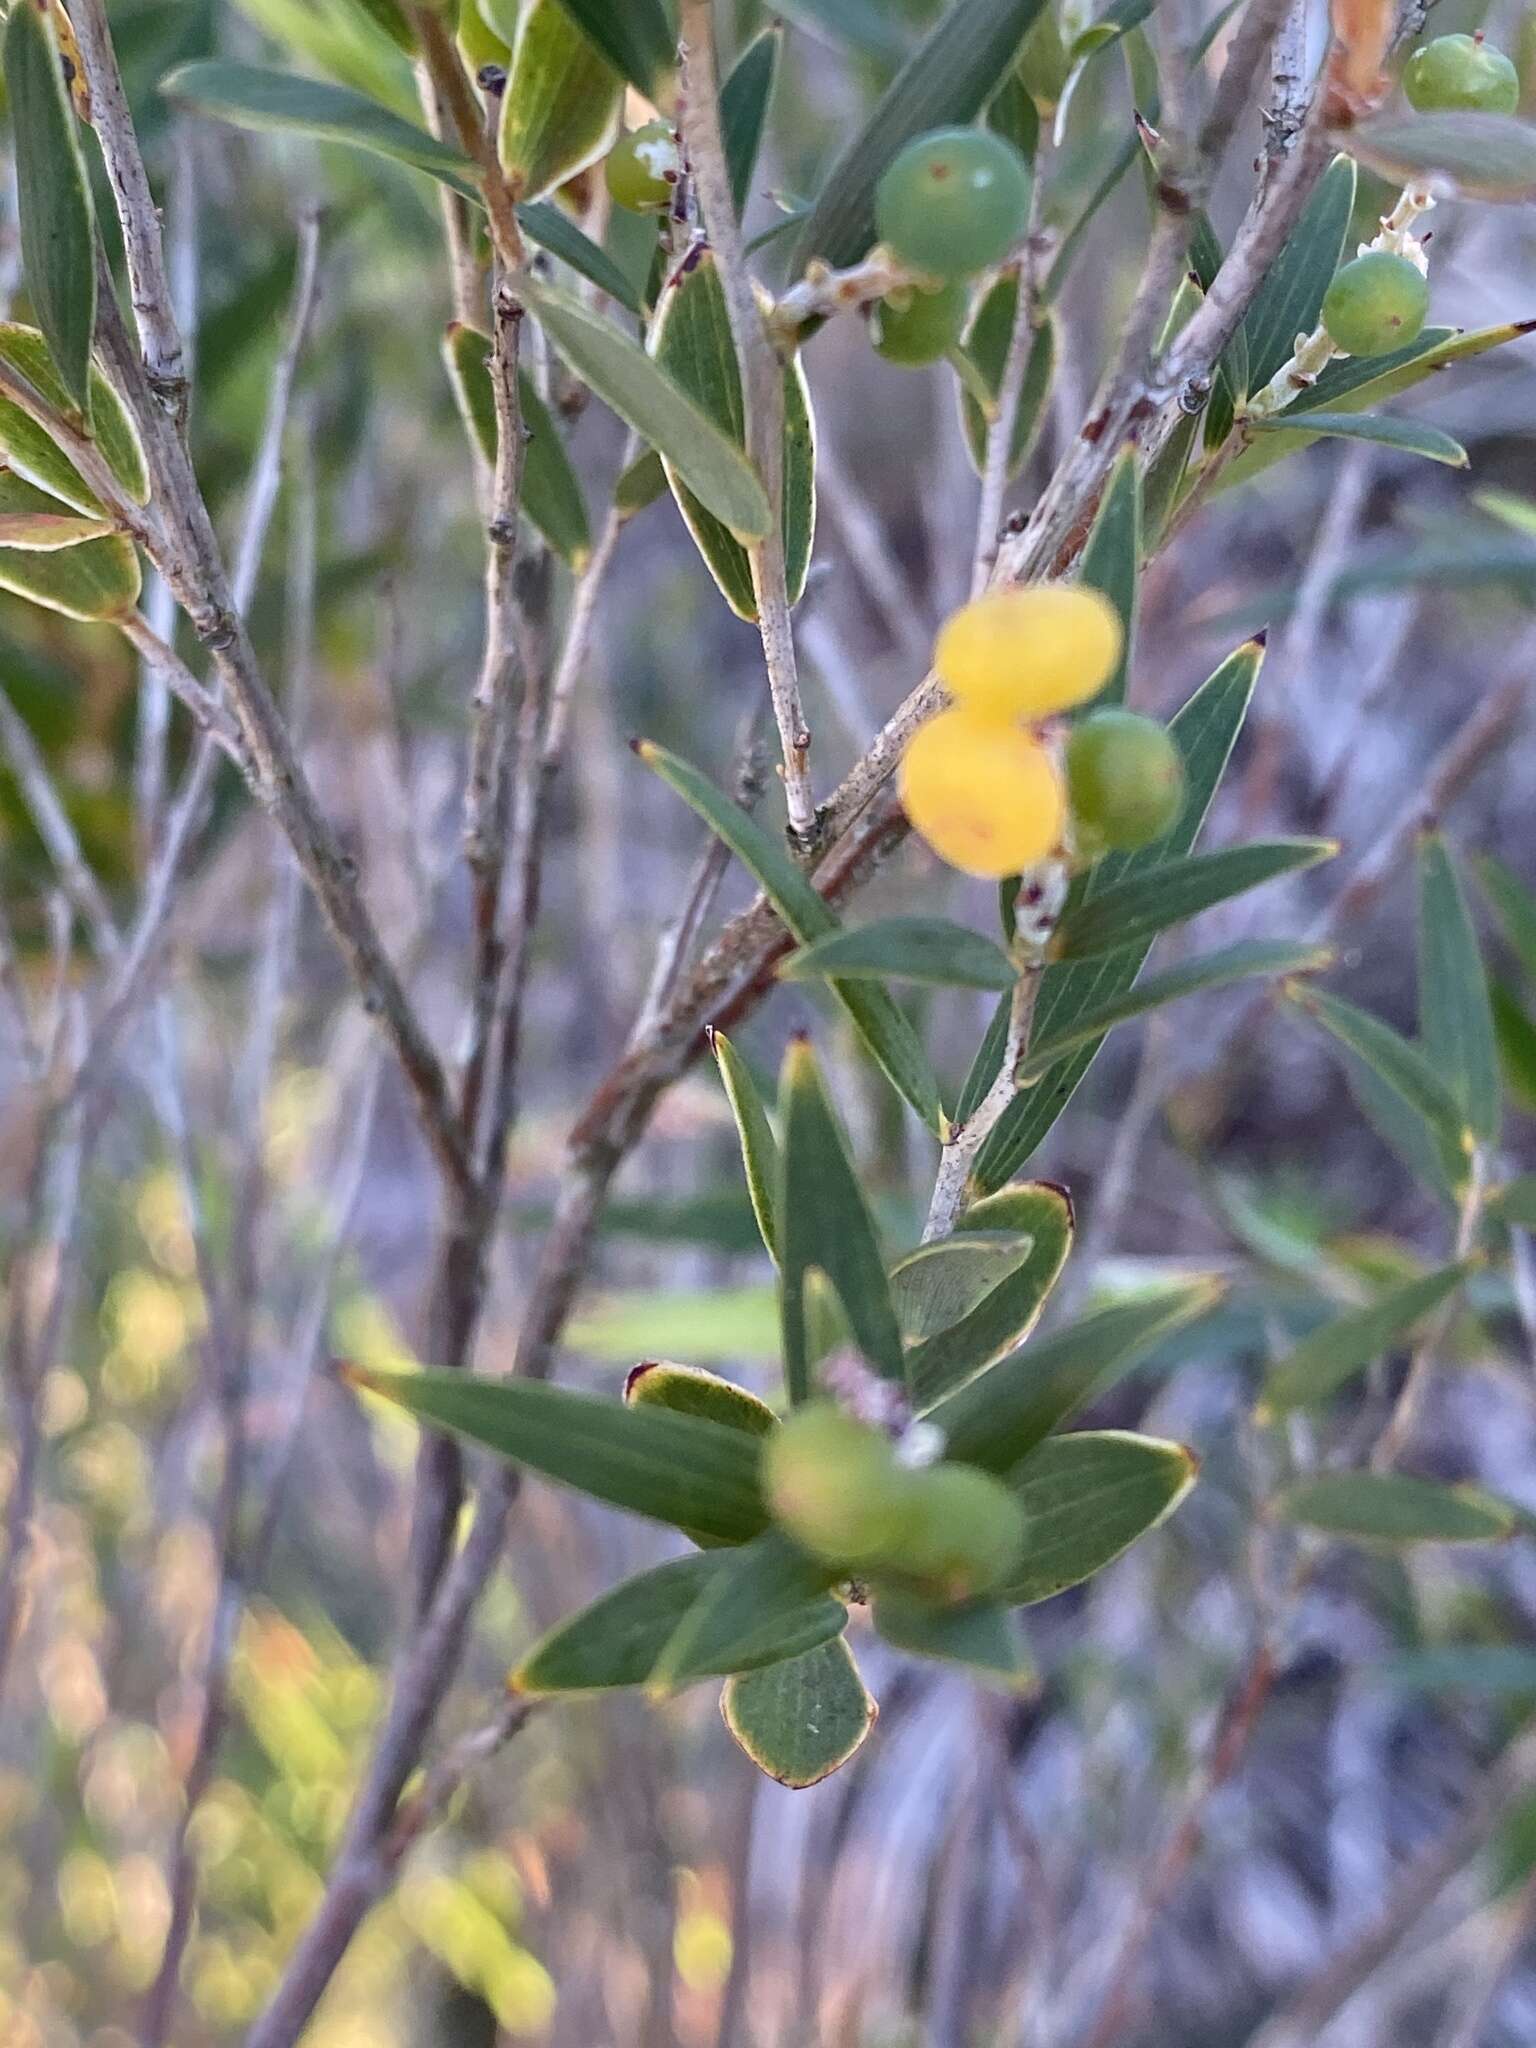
(953, 202)
(643, 167)
(834, 1484)
(1029, 653)
(1461, 75)
(965, 1533)
(1375, 304)
(918, 327)
(1125, 776)
(986, 796)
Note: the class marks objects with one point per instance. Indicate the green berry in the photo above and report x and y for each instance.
(834, 1484)
(1125, 777)
(964, 1533)
(918, 327)
(642, 168)
(1375, 304)
(953, 202)
(1461, 75)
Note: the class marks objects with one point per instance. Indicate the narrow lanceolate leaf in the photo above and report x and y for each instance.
(1399, 1065)
(981, 1636)
(986, 343)
(554, 231)
(744, 99)
(28, 450)
(1455, 1011)
(690, 337)
(1134, 911)
(30, 518)
(1287, 303)
(1390, 1507)
(884, 1028)
(690, 1390)
(926, 949)
(1412, 437)
(759, 1147)
(937, 1284)
(1332, 1355)
(1088, 1497)
(53, 195)
(1000, 1320)
(618, 1638)
(99, 579)
(634, 36)
(560, 111)
(641, 484)
(1474, 156)
(344, 43)
(803, 1718)
(1112, 562)
(389, 16)
(1514, 905)
(647, 399)
(1212, 970)
(551, 494)
(251, 96)
(1515, 1030)
(947, 80)
(1205, 730)
(769, 1600)
(1000, 1418)
(674, 1468)
(824, 1223)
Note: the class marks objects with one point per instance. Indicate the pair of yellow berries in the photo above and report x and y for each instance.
(975, 781)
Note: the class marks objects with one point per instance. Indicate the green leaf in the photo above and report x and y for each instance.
(390, 17)
(1347, 1344)
(1072, 237)
(560, 111)
(1514, 905)
(1001, 1417)
(759, 1147)
(555, 231)
(1289, 300)
(1515, 1202)
(863, 25)
(551, 497)
(926, 949)
(674, 1468)
(1390, 1507)
(1515, 1031)
(768, 1600)
(1471, 156)
(1205, 729)
(633, 35)
(1455, 1012)
(802, 1719)
(689, 1390)
(349, 42)
(1413, 437)
(1401, 1066)
(53, 195)
(986, 343)
(1134, 911)
(1086, 1498)
(981, 1636)
(946, 81)
(1212, 970)
(96, 580)
(28, 450)
(938, 1283)
(647, 399)
(642, 483)
(251, 96)
(618, 1638)
(34, 519)
(884, 1028)
(1012, 114)
(1000, 1320)
(690, 339)
(823, 1223)
(1112, 562)
(744, 99)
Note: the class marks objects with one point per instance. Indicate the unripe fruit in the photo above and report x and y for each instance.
(642, 168)
(1375, 304)
(921, 328)
(953, 202)
(1125, 776)
(1461, 75)
(965, 1533)
(834, 1484)
(985, 795)
(1029, 653)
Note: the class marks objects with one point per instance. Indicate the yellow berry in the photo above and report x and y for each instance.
(985, 795)
(1027, 653)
